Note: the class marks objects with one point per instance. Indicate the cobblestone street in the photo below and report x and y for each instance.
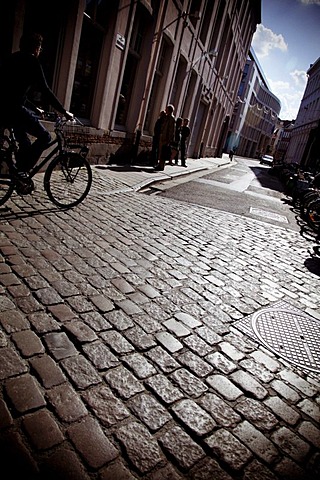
(120, 352)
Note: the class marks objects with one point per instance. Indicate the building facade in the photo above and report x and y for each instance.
(255, 115)
(116, 63)
(304, 144)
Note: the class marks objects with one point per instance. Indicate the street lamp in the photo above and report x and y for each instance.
(185, 16)
(212, 53)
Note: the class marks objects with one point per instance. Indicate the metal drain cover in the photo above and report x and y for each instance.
(292, 335)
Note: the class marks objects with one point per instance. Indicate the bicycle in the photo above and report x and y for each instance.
(68, 175)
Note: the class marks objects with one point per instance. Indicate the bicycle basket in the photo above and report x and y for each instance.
(72, 140)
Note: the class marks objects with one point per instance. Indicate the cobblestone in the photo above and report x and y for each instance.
(185, 451)
(119, 356)
(227, 447)
(256, 441)
(141, 448)
(291, 444)
(91, 442)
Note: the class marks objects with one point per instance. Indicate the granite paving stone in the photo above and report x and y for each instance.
(194, 417)
(67, 404)
(28, 343)
(43, 430)
(140, 366)
(221, 362)
(14, 322)
(141, 448)
(207, 469)
(282, 410)
(117, 342)
(224, 386)
(48, 371)
(25, 393)
(123, 381)
(222, 413)
(188, 382)
(285, 391)
(311, 433)
(257, 414)
(229, 449)
(169, 342)
(310, 409)
(291, 443)
(107, 407)
(11, 363)
(249, 384)
(149, 411)
(196, 364)
(6, 419)
(164, 389)
(90, 440)
(117, 471)
(162, 359)
(197, 345)
(64, 463)
(256, 441)
(59, 345)
(181, 446)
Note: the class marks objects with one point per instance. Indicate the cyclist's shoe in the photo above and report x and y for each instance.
(24, 184)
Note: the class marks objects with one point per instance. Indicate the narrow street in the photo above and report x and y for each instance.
(143, 336)
(244, 187)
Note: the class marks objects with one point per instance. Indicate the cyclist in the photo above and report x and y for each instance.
(19, 74)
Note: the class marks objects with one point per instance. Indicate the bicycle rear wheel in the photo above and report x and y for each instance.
(68, 179)
(7, 181)
(313, 215)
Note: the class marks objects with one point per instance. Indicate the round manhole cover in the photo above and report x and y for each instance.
(292, 335)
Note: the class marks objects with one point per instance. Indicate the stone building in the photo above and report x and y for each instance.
(304, 144)
(116, 63)
(255, 115)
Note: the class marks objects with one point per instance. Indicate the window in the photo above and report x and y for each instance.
(130, 73)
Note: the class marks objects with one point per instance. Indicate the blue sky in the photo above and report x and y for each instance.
(286, 42)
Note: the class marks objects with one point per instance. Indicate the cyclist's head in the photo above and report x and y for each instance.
(31, 43)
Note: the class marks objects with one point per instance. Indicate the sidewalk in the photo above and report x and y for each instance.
(123, 178)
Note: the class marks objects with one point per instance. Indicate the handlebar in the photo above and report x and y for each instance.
(60, 120)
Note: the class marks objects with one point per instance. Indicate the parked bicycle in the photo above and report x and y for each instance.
(68, 175)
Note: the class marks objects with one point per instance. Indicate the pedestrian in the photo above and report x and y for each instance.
(166, 137)
(175, 146)
(156, 138)
(185, 134)
(21, 73)
(231, 154)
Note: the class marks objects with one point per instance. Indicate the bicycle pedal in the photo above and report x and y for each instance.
(24, 185)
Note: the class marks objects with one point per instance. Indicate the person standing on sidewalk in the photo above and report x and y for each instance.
(185, 133)
(156, 137)
(231, 154)
(175, 146)
(166, 137)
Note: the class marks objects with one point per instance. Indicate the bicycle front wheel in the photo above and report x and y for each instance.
(68, 179)
(7, 182)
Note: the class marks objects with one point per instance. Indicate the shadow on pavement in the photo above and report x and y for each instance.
(313, 265)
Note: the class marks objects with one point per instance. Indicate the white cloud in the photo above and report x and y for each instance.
(299, 78)
(310, 2)
(290, 97)
(265, 40)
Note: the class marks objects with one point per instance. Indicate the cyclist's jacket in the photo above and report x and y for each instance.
(20, 73)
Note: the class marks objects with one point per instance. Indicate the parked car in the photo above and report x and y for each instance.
(267, 159)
